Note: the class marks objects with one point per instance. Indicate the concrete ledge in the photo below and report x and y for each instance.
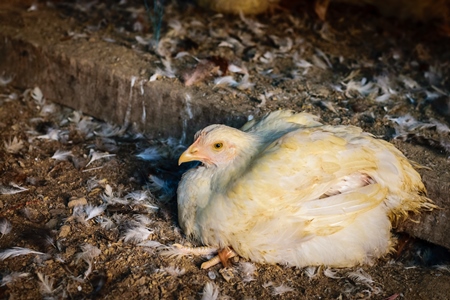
(73, 73)
(434, 226)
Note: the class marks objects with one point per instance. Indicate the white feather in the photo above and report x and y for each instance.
(360, 276)
(142, 198)
(142, 220)
(137, 234)
(173, 271)
(331, 273)
(13, 276)
(37, 95)
(98, 155)
(17, 251)
(47, 109)
(248, 270)
(157, 183)
(311, 271)
(108, 191)
(110, 198)
(92, 183)
(138, 196)
(245, 83)
(5, 227)
(109, 130)
(46, 284)
(281, 289)
(442, 268)
(12, 189)
(52, 134)
(62, 155)
(4, 81)
(225, 80)
(13, 145)
(94, 211)
(210, 291)
(89, 252)
(106, 223)
(150, 244)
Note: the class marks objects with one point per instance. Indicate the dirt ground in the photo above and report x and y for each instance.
(100, 215)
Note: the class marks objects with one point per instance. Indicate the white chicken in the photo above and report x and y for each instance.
(292, 191)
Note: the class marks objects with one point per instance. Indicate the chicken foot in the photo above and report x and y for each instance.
(223, 255)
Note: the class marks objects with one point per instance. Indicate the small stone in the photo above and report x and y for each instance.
(74, 201)
(33, 215)
(70, 251)
(64, 231)
(212, 275)
(141, 281)
(51, 224)
(57, 212)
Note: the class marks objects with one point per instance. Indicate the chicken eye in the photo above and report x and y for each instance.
(218, 146)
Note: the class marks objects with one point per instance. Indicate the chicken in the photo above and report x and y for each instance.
(292, 191)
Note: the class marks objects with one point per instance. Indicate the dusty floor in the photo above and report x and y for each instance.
(359, 69)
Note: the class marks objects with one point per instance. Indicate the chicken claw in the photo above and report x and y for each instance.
(223, 257)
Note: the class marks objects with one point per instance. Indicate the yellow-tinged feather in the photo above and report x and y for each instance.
(250, 7)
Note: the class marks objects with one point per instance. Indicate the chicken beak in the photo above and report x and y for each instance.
(191, 154)
(187, 156)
